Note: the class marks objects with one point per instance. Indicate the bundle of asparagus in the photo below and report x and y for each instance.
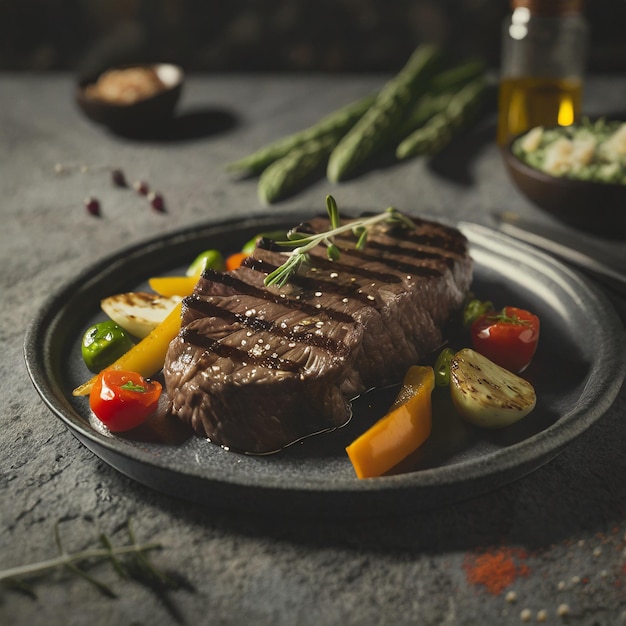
(417, 112)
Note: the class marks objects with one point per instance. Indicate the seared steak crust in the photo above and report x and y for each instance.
(256, 368)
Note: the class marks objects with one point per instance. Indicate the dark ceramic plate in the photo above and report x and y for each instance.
(582, 341)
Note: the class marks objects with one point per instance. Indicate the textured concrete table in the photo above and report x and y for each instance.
(556, 538)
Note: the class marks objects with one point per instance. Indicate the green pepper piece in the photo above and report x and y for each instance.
(212, 259)
(103, 344)
(442, 367)
(474, 309)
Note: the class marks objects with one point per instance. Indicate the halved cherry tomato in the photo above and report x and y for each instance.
(123, 400)
(508, 338)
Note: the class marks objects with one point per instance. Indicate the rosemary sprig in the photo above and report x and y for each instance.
(13, 577)
(304, 243)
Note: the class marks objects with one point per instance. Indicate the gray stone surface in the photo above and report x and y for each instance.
(566, 522)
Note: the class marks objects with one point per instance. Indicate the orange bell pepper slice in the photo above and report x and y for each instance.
(402, 430)
(235, 260)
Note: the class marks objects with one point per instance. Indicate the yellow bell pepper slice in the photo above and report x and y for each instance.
(146, 357)
(174, 285)
(184, 285)
(402, 430)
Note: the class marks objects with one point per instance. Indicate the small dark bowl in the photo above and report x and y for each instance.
(595, 207)
(142, 115)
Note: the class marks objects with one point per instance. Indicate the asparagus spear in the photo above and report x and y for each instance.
(456, 76)
(438, 131)
(291, 172)
(301, 164)
(334, 124)
(377, 125)
(441, 89)
(424, 109)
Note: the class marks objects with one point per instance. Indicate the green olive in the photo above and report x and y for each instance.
(211, 259)
(103, 344)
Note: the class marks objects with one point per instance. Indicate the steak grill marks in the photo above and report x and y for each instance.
(237, 354)
(435, 235)
(257, 324)
(402, 266)
(350, 290)
(242, 287)
(323, 263)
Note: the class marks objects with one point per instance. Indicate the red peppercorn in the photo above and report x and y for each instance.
(93, 206)
(157, 202)
(141, 187)
(118, 178)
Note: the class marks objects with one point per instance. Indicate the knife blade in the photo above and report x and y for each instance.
(564, 246)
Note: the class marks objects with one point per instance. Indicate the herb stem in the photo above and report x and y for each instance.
(281, 275)
(66, 559)
(311, 241)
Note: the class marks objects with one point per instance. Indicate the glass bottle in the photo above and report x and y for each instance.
(544, 49)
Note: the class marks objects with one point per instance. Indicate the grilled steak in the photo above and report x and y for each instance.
(256, 368)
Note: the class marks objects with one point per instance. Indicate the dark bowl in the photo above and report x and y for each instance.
(595, 207)
(141, 115)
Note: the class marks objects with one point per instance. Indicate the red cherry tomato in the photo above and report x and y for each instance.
(508, 338)
(123, 400)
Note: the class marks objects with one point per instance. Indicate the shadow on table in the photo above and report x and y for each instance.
(187, 126)
(454, 163)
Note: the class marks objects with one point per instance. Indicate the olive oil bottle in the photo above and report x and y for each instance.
(544, 47)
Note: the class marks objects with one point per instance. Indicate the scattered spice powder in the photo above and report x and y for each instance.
(619, 582)
(496, 569)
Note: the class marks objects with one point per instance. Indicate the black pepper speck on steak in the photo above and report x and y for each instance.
(256, 368)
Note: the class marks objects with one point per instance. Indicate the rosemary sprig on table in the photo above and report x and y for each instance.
(304, 243)
(129, 561)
